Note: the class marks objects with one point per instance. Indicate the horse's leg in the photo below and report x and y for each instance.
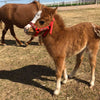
(28, 42)
(60, 63)
(40, 40)
(3, 34)
(92, 56)
(32, 37)
(13, 34)
(65, 76)
(0, 24)
(78, 63)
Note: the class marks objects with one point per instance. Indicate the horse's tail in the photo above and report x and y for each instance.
(0, 24)
(0, 21)
(0, 14)
(96, 29)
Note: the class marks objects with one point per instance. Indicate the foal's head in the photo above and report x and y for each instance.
(42, 22)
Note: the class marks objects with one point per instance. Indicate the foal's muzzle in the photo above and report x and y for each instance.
(29, 31)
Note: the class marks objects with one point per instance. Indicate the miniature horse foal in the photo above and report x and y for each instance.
(62, 42)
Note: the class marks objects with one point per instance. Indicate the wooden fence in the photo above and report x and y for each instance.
(69, 3)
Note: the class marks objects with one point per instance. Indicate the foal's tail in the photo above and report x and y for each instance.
(96, 29)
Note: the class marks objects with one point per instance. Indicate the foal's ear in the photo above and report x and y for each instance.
(55, 10)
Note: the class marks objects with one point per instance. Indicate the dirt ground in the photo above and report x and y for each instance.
(28, 73)
(79, 7)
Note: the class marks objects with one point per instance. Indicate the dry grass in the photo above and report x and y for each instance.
(28, 73)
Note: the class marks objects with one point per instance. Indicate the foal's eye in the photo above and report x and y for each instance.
(41, 22)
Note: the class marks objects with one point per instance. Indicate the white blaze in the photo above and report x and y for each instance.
(37, 16)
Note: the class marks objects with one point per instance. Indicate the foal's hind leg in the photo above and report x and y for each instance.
(78, 63)
(92, 56)
(13, 34)
(3, 34)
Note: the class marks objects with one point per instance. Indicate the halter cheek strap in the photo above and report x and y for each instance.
(46, 29)
(51, 26)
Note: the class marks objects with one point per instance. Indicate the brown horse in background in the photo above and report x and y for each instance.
(62, 42)
(19, 15)
(0, 24)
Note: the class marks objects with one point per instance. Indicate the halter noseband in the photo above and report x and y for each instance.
(46, 29)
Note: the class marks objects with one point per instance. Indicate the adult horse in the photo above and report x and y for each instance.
(62, 42)
(19, 15)
(0, 24)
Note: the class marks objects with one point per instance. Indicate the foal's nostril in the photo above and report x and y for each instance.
(26, 30)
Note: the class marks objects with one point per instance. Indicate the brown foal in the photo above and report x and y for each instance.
(62, 42)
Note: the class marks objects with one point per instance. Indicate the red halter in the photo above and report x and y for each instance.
(46, 29)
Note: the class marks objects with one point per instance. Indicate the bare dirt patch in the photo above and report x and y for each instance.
(28, 73)
(79, 7)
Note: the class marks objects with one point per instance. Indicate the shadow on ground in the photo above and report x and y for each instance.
(81, 80)
(13, 42)
(27, 74)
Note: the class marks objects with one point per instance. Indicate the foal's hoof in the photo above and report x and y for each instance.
(91, 85)
(56, 92)
(64, 81)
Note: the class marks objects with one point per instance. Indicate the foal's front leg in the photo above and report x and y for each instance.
(65, 76)
(60, 64)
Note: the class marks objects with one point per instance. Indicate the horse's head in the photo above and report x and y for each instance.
(42, 22)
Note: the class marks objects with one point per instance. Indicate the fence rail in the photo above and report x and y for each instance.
(55, 2)
(69, 3)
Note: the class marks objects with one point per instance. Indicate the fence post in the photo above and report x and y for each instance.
(96, 2)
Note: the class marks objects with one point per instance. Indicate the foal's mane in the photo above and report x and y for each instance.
(59, 21)
(51, 12)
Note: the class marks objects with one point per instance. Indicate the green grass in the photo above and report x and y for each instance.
(28, 73)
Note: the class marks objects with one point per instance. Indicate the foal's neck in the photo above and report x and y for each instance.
(59, 30)
(59, 26)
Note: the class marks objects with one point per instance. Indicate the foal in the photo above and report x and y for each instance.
(62, 42)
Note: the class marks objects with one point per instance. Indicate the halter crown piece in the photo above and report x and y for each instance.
(46, 29)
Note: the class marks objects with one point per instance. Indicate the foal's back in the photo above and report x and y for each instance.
(80, 37)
